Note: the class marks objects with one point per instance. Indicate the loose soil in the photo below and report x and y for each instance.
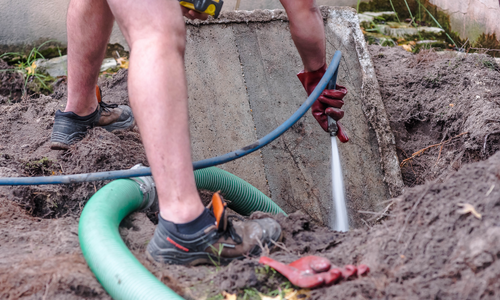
(421, 246)
(432, 98)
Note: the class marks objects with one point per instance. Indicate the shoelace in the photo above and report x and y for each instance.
(106, 107)
(230, 231)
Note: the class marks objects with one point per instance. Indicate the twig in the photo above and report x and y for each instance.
(490, 190)
(486, 139)
(281, 246)
(421, 151)
(369, 212)
(366, 223)
(384, 213)
(47, 286)
(486, 49)
(439, 156)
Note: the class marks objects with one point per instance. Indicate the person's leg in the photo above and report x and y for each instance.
(187, 233)
(308, 33)
(155, 32)
(89, 25)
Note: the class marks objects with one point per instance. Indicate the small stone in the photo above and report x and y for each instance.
(54, 67)
(108, 63)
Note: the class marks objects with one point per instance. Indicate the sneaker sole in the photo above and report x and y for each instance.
(192, 259)
(130, 122)
(59, 146)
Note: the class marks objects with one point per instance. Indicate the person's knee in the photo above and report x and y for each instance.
(160, 23)
(169, 36)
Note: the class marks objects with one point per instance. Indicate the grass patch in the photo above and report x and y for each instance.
(25, 65)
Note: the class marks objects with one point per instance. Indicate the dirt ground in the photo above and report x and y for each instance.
(421, 247)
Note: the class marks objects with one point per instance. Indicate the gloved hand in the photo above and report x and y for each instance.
(314, 271)
(329, 103)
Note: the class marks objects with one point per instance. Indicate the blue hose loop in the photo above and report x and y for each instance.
(201, 164)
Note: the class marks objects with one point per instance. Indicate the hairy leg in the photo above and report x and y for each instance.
(89, 25)
(155, 32)
(308, 33)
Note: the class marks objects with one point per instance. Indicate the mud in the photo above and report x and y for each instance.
(11, 84)
(421, 246)
(432, 98)
(25, 151)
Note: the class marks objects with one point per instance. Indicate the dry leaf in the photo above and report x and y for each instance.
(31, 69)
(290, 294)
(408, 48)
(467, 208)
(123, 62)
(298, 295)
(228, 296)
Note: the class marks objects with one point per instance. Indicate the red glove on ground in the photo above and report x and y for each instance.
(329, 103)
(313, 271)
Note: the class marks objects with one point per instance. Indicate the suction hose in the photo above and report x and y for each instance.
(243, 197)
(116, 268)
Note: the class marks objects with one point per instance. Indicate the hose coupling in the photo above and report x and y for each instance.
(332, 127)
(148, 189)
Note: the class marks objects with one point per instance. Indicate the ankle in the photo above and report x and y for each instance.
(204, 220)
(81, 106)
(182, 215)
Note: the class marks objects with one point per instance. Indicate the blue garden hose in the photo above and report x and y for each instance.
(209, 162)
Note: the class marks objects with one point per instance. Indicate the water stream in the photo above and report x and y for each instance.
(340, 223)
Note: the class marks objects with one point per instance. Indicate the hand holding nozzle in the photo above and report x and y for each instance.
(329, 103)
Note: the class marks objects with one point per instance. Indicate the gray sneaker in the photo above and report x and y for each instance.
(70, 128)
(220, 243)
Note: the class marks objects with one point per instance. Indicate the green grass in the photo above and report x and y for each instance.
(26, 66)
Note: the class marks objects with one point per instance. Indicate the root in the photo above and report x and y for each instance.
(421, 151)
(486, 139)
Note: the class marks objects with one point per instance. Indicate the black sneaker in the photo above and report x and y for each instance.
(70, 128)
(220, 243)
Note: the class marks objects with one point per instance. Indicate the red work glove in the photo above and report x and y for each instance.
(329, 103)
(314, 271)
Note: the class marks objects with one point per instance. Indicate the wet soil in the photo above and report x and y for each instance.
(421, 247)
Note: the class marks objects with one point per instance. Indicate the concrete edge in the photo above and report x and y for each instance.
(260, 15)
(373, 106)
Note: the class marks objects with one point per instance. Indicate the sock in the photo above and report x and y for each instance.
(74, 116)
(203, 221)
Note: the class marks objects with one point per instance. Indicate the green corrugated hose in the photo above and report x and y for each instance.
(116, 268)
(243, 197)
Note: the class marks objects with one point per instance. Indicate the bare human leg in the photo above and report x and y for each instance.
(89, 27)
(308, 33)
(186, 233)
(155, 32)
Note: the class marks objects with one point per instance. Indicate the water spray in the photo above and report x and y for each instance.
(340, 222)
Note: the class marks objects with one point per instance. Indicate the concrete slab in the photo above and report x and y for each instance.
(241, 73)
(220, 115)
